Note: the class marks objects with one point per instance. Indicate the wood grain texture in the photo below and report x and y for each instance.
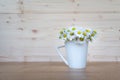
(29, 28)
(71, 6)
(58, 71)
(7, 6)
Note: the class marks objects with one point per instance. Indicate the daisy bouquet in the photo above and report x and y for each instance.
(77, 34)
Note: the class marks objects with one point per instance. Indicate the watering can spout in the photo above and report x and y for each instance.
(60, 54)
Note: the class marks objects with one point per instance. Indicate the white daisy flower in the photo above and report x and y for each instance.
(79, 34)
(71, 35)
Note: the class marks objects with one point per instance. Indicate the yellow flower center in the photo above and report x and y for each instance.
(92, 34)
(95, 31)
(78, 32)
(72, 33)
(87, 30)
(64, 35)
(73, 28)
(84, 33)
(81, 39)
(61, 32)
(68, 30)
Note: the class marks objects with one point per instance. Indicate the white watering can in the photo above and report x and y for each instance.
(76, 54)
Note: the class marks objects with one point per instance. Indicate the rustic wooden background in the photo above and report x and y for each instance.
(28, 28)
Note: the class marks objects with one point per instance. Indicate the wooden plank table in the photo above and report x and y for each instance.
(58, 71)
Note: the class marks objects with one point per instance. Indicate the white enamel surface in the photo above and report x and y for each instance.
(76, 54)
(59, 53)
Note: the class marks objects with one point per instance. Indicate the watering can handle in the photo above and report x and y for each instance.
(59, 53)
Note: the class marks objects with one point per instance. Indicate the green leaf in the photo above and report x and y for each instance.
(60, 37)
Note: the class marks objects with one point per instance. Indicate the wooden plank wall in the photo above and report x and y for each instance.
(28, 28)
